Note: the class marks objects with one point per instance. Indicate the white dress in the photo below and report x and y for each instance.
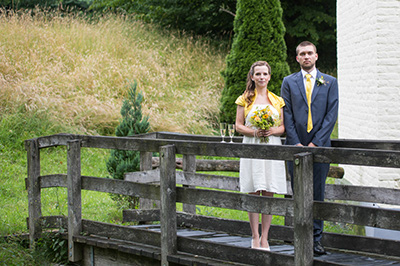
(256, 174)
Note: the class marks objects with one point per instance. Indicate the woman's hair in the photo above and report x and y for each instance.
(250, 87)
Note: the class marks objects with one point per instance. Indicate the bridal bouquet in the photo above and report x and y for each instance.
(264, 119)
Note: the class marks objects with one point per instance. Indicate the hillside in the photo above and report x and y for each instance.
(76, 72)
(62, 73)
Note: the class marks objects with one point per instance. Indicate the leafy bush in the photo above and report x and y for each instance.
(53, 247)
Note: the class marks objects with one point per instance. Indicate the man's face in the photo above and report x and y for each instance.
(307, 57)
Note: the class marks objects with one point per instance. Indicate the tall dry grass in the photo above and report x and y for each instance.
(78, 71)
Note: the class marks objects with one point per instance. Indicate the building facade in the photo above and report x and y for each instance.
(368, 39)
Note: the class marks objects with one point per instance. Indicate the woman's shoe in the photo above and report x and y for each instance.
(252, 244)
(266, 249)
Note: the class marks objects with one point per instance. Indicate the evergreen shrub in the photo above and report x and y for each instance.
(120, 161)
(259, 35)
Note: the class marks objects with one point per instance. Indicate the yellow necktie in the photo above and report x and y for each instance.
(308, 93)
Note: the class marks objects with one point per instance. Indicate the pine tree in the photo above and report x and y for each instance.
(259, 35)
(132, 123)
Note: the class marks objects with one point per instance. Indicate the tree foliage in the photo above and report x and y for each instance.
(203, 17)
(133, 122)
(52, 4)
(314, 21)
(259, 35)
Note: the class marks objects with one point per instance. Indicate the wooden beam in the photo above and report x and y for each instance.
(146, 165)
(127, 233)
(74, 187)
(236, 201)
(34, 191)
(195, 179)
(189, 170)
(379, 195)
(368, 157)
(121, 187)
(303, 209)
(232, 166)
(363, 194)
(375, 217)
(168, 203)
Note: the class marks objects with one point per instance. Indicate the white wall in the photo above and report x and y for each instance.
(368, 34)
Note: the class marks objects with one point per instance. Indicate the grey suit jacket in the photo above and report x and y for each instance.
(324, 109)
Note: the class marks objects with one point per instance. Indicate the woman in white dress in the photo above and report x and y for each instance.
(260, 177)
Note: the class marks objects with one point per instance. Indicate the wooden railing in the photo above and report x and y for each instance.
(301, 207)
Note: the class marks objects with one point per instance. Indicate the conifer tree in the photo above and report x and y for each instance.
(259, 35)
(132, 123)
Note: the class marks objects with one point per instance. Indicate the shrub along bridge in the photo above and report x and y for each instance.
(184, 238)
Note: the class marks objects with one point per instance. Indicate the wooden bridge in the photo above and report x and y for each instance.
(185, 238)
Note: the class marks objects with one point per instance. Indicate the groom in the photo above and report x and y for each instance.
(310, 114)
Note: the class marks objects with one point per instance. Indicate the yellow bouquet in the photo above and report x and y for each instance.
(264, 119)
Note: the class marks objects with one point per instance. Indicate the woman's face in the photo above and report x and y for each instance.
(261, 76)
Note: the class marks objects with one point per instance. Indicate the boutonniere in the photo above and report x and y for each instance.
(320, 81)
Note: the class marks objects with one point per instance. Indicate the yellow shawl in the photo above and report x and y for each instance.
(276, 101)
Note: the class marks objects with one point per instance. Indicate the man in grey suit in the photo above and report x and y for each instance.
(310, 114)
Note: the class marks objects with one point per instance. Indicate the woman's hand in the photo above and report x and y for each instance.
(273, 131)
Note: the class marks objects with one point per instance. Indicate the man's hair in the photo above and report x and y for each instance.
(305, 43)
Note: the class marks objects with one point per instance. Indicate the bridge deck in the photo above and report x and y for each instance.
(334, 256)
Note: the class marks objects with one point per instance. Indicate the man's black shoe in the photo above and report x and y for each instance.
(318, 248)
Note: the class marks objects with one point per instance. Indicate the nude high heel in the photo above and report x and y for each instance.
(252, 244)
(266, 249)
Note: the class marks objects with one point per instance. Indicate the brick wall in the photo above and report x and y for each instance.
(368, 34)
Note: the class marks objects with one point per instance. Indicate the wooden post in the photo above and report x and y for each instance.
(303, 209)
(288, 219)
(189, 167)
(34, 196)
(168, 203)
(146, 164)
(74, 186)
